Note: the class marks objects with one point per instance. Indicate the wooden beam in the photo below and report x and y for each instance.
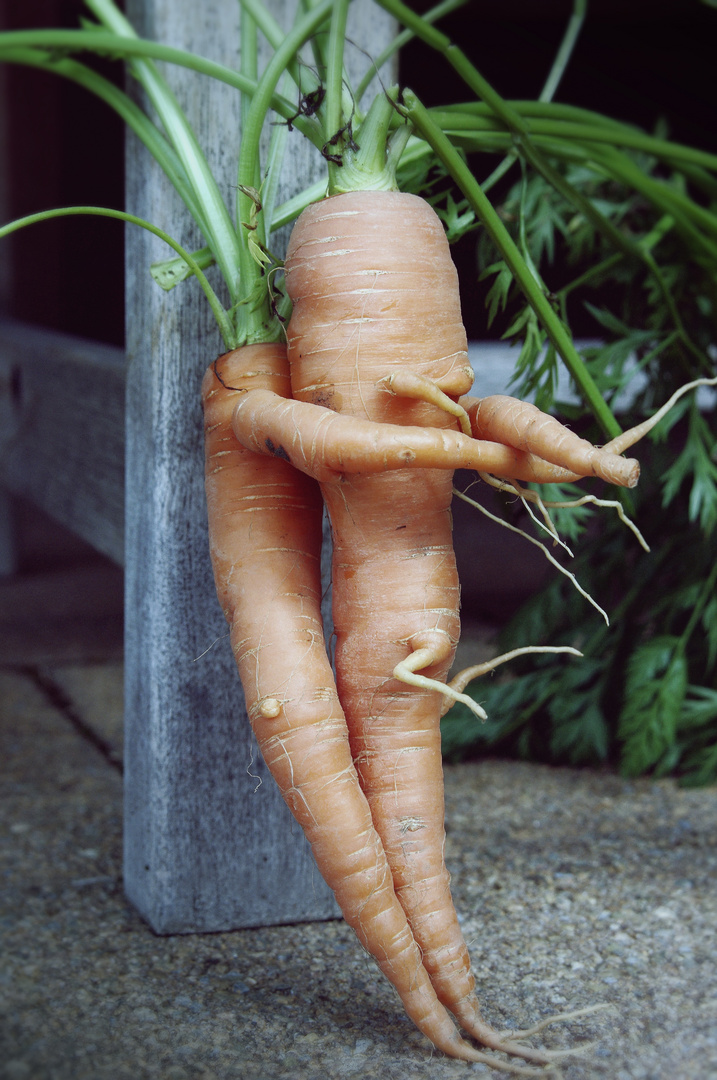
(209, 844)
(62, 430)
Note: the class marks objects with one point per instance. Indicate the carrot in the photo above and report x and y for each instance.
(265, 529)
(327, 445)
(378, 359)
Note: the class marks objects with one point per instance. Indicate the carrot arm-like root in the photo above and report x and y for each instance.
(411, 384)
(525, 427)
(430, 648)
(325, 445)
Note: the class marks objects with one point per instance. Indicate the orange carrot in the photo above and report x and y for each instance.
(378, 366)
(523, 426)
(382, 305)
(376, 336)
(265, 529)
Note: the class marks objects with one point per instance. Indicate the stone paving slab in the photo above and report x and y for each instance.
(575, 887)
(95, 693)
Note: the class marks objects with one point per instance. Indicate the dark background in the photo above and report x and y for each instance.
(638, 60)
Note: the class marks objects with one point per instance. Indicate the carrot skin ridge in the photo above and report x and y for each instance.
(265, 529)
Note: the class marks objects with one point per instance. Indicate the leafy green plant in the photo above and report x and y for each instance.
(644, 696)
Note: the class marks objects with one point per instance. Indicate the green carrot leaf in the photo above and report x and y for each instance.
(701, 768)
(655, 688)
(583, 740)
(709, 624)
(458, 219)
(698, 708)
(697, 460)
(499, 291)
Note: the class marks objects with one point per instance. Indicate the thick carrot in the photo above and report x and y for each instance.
(265, 530)
(375, 297)
(378, 361)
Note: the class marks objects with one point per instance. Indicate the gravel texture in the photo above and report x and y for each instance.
(575, 888)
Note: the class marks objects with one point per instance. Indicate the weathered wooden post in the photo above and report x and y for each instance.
(209, 844)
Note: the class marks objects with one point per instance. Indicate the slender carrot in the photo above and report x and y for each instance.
(265, 527)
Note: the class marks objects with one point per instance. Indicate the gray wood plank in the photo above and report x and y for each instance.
(62, 430)
(209, 844)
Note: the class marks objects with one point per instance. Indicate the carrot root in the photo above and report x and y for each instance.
(265, 533)
(523, 426)
(424, 656)
(327, 445)
(412, 385)
(633, 435)
(461, 680)
(378, 352)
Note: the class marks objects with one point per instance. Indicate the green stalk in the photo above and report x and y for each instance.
(250, 68)
(562, 58)
(100, 211)
(318, 46)
(458, 119)
(687, 213)
(371, 167)
(334, 115)
(485, 212)
(265, 21)
(680, 207)
(274, 159)
(513, 122)
(221, 234)
(565, 51)
(594, 271)
(436, 13)
(254, 315)
(290, 210)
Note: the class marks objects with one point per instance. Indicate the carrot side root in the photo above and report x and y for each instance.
(424, 655)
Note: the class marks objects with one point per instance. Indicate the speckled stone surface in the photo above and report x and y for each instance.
(574, 887)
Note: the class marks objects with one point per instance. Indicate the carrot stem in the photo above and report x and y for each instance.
(221, 234)
(334, 113)
(565, 51)
(402, 39)
(104, 43)
(255, 319)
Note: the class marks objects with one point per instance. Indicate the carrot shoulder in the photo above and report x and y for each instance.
(265, 533)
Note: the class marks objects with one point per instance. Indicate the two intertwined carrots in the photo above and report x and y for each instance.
(374, 413)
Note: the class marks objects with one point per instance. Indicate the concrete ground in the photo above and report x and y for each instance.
(575, 888)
